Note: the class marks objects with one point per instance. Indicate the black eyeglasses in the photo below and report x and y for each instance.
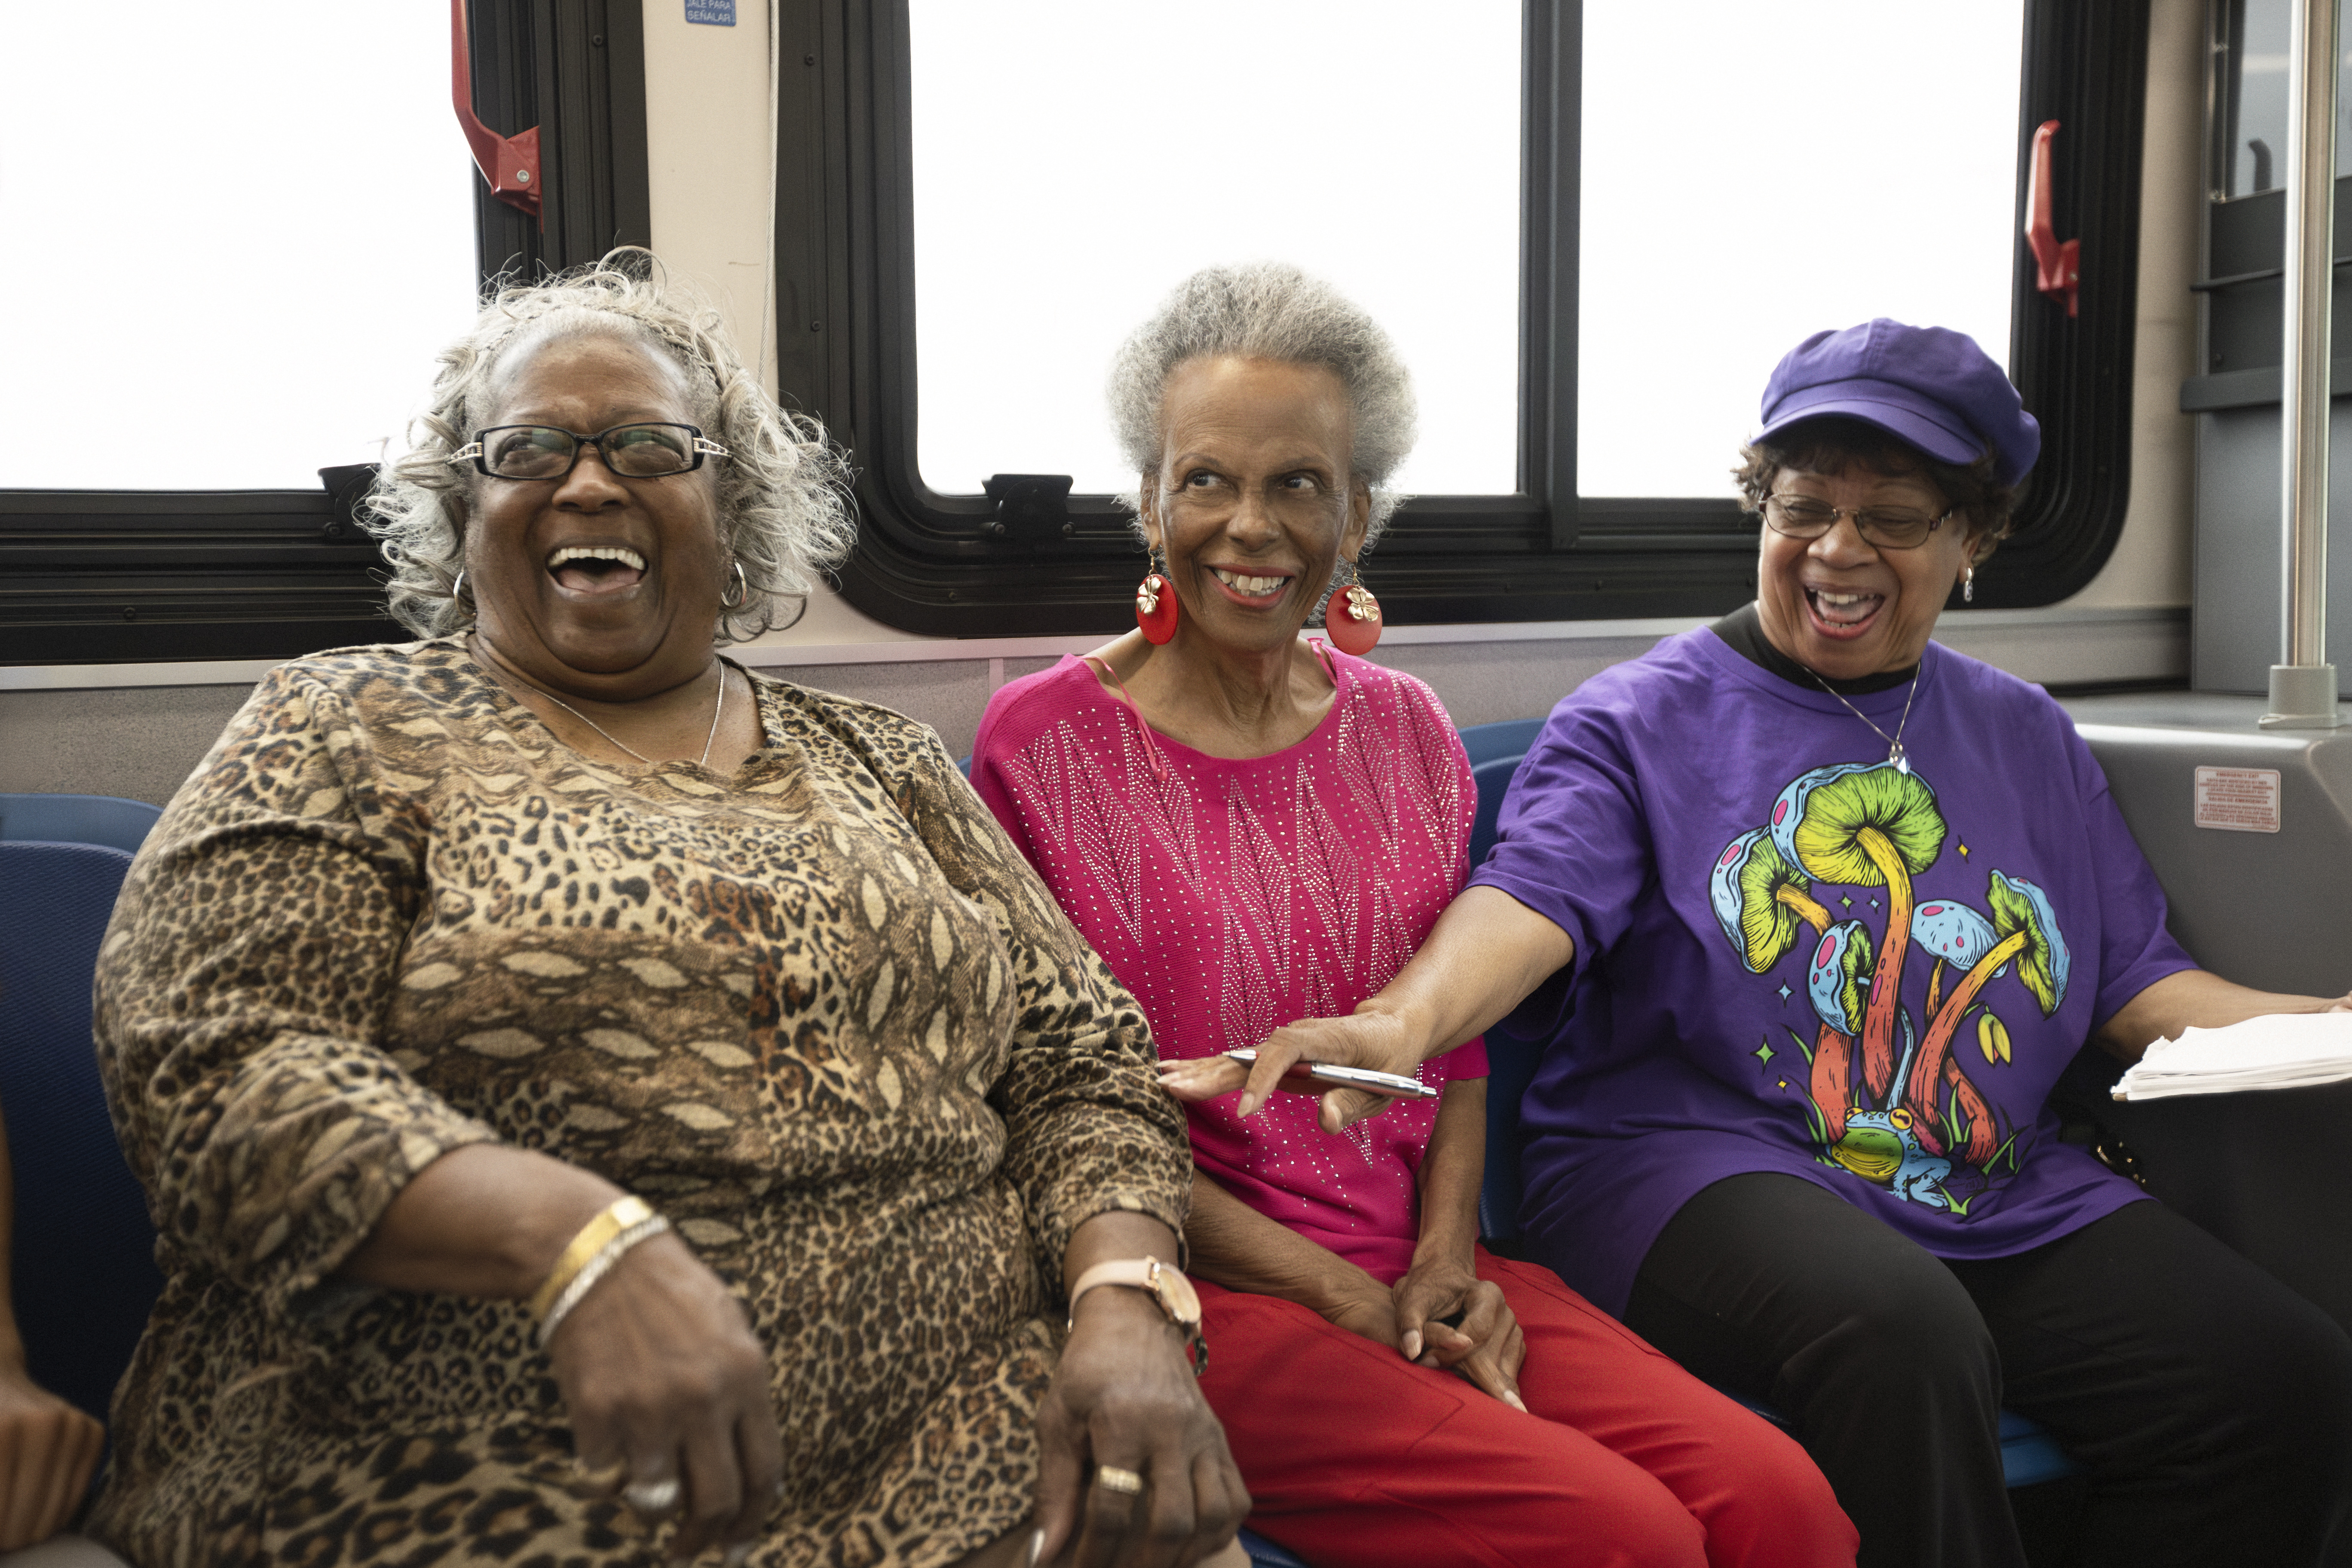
(1881, 527)
(651, 451)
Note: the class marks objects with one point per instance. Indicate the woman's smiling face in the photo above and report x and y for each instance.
(595, 584)
(1842, 606)
(1252, 502)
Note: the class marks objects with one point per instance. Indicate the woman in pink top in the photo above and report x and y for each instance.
(1254, 830)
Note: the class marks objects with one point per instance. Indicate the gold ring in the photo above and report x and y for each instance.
(1112, 1479)
(652, 1497)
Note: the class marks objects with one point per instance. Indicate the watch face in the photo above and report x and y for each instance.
(1177, 1295)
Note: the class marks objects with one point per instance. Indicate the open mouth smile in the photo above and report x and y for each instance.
(596, 569)
(1843, 615)
(1245, 589)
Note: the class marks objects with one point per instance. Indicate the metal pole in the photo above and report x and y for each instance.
(2303, 683)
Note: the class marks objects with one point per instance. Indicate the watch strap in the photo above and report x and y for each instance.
(1158, 1280)
(1134, 1272)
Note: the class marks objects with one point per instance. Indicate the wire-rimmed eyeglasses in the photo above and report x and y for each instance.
(647, 451)
(1881, 527)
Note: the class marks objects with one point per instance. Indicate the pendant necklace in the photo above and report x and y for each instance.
(716, 709)
(1895, 752)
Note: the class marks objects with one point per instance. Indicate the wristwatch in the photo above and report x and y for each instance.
(1163, 1284)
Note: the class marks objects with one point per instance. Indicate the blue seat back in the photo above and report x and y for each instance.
(1511, 1064)
(84, 1258)
(1493, 778)
(78, 819)
(1265, 1554)
(1506, 738)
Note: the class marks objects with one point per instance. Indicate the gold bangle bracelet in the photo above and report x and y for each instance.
(617, 1217)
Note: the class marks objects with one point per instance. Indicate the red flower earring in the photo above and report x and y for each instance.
(1155, 602)
(1352, 616)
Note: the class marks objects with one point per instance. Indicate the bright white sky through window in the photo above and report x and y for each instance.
(237, 233)
(1754, 174)
(1074, 160)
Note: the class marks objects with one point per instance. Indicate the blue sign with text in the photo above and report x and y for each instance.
(715, 12)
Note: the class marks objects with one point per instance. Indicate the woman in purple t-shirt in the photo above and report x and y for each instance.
(1251, 830)
(1812, 913)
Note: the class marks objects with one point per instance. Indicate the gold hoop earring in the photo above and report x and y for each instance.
(743, 591)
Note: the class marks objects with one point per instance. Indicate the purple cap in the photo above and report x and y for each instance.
(1930, 386)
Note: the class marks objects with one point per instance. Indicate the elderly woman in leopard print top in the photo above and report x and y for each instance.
(456, 960)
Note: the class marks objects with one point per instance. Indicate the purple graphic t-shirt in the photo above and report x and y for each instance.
(1793, 955)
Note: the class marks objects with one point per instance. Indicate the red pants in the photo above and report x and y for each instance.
(1356, 1457)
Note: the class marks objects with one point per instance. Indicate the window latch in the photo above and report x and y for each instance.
(1031, 509)
(2059, 266)
(511, 163)
(346, 488)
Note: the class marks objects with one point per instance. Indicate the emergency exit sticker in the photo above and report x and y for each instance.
(2242, 799)
(715, 12)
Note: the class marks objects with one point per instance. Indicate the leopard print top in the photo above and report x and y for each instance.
(819, 1012)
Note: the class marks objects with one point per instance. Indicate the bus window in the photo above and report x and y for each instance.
(1344, 135)
(2250, 48)
(1592, 230)
(242, 231)
(1829, 161)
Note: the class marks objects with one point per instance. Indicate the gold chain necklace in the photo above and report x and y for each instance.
(702, 761)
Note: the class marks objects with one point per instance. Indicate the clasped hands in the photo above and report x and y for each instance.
(1441, 1315)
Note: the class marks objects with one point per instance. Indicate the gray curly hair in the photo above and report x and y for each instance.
(1269, 309)
(781, 493)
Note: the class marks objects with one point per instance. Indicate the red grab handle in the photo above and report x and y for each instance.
(2059, 266)
(511, 163)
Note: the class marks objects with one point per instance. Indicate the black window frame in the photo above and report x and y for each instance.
(930, 564)
(2243, 317)
(98, 576)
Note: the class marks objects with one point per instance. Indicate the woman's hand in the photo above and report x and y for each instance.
(1487, 951)
(1125, 1397)
(1367, 1309)
(669, 1392)
(2197, 998)
(667, 1387)
(1488, 1347)
(47, 1450)
(1369, 1038)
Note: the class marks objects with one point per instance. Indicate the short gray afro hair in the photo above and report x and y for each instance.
(782, 511)
(1272, 310)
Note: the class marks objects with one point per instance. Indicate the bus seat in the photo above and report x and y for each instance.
(78, 819)
(63, 1552)
(1505, 738)
(2029, 1455)
(2262, 906)
(1493, 778)
(84, 1257)
(1262, 1553)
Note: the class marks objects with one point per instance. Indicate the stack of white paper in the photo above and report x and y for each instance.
(2280, 1050)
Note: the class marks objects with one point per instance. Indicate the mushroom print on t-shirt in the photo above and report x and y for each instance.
(1890, 1095)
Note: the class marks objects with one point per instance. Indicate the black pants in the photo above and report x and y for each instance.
(2210, 1407)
